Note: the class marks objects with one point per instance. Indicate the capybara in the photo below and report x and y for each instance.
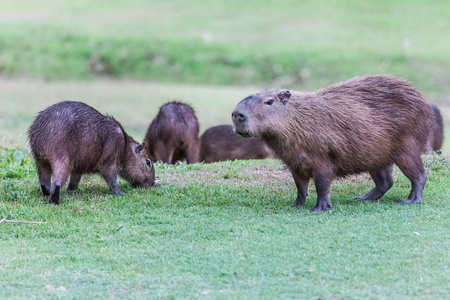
(438, 133)
(73, 138)
(173, 135)
(220, 143)
(365, 124)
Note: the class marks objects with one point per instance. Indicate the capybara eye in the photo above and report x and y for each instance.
(148, 163)
(269, 102)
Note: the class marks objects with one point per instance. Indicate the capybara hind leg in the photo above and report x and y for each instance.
(383, 182)
(60, 175)
(74, 181)
(322, 183)
(192, 156)
(302, 190)
(45, 176)
(413, 168)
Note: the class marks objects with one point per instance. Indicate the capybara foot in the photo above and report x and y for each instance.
(72, 187)
(323, 206)
(410, 201)
(45, 190)
(298, 203)
(365, 198)
(54, 198)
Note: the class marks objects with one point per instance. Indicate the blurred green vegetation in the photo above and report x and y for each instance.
(281, 43)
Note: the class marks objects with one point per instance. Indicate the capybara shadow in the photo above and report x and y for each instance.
(365, 124)
(220, 143)
(173, 135)
(72, 138)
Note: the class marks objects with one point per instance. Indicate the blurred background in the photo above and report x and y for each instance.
(128, 57)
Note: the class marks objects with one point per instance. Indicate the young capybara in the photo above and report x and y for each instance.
(438, 134)
(365, 124)
(73, 138)
(220, 143)
(173, 134)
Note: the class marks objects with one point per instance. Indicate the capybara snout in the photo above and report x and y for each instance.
(71, 139)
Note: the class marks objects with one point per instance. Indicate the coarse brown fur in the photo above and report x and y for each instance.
(365, 124)
(173, 135)
(220, 143)
(438, 133)
(72, 138)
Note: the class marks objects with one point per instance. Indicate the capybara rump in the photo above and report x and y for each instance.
(173, 135)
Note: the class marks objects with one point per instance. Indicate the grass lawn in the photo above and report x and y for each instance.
(215, 231)
(223, 231)
(303, 44)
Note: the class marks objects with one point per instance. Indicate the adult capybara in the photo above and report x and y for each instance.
(173, 134)
(438, 133)
(73, 138)
(220, 143)
(365, 124)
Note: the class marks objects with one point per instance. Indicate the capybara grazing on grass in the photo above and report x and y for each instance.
(438, 133)
(365, 124)
(173, 134)
(220, 143)
(72, 138)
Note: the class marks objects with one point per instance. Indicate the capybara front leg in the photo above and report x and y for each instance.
(383, 182)
(302, 190)
(74, 181)
(323, 183)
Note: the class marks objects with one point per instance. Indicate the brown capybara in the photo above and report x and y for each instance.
(173, 134)
(438, 133)
(220, 143)
(365, 124)
(73, 138)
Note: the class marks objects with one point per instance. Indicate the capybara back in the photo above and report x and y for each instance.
(220, 143)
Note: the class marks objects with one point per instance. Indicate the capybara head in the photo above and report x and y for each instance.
(137, 167)
(259, 113)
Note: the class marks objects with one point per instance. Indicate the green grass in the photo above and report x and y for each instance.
(223, 231)
(227, 42)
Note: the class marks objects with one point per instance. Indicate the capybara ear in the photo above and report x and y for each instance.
(138, 149)
(284, 96)
(264, 90)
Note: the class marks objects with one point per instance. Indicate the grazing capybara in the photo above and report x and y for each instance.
(365, 124)
(438, 133)
(73, 138)
(220, 143)
(173, 134)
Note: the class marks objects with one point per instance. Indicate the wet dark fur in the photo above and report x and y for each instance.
(220, 143)
(173, 134)
(365, 124)
(72, 138)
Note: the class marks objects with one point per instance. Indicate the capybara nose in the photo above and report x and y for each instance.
(237, 116)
